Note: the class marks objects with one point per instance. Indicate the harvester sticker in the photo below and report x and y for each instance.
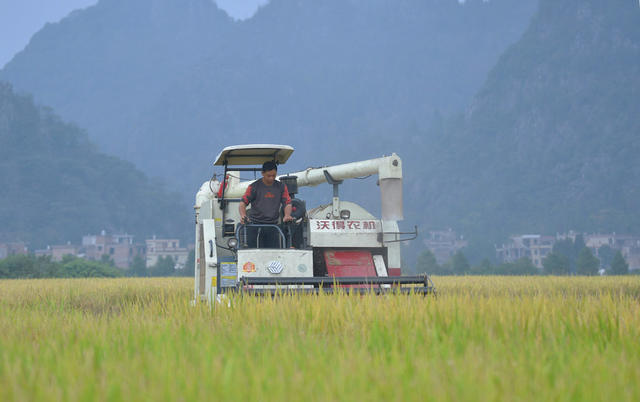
(275, 267)
(228, 274)
(249, 267)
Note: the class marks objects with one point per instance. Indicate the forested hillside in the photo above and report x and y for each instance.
(551, 142)
(56, 187)
(166, 83)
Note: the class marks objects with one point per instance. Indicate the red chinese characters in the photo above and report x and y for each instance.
(368, 225)
(339, 225)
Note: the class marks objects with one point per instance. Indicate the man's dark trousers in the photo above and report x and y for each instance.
(262, 236)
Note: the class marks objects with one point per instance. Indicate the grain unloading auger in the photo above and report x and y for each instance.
(334, 246)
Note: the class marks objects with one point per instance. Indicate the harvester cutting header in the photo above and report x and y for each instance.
(241, 248)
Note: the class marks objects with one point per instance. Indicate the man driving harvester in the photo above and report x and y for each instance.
(266, 196)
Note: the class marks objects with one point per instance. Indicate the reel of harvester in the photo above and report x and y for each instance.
(268, 286)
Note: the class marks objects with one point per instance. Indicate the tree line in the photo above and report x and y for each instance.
(573, 257)
(568, 257)
(165, 266)
(29, 266)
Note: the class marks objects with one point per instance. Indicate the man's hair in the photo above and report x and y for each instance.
(270, 165)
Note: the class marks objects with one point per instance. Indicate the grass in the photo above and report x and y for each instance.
(484, 338)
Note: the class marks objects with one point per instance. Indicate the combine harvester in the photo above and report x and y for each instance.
(339, 244)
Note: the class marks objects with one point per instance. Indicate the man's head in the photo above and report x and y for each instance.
(269, 172)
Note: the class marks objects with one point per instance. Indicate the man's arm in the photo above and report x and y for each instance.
(286, 200)
(246, 199)
(243, 212)
(287, 213)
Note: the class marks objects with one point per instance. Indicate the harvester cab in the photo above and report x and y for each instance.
(336, 245)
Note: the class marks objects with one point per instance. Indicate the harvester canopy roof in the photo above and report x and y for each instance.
(253, 154)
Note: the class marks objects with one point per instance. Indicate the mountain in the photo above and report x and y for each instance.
(57, 187)
(167, 83)
(551, 141)
(100, 65)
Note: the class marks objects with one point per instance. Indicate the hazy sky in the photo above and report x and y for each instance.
(20, 19)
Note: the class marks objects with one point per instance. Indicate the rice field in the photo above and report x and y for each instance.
(483, 338)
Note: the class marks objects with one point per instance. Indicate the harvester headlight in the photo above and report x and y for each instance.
(345, 214)
(232, 243)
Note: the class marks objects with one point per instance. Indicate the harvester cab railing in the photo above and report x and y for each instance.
(242, 238)
(412, 236)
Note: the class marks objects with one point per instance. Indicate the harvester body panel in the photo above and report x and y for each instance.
(337, 245)
(275, 263)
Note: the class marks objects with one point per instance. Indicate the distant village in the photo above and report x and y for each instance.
(445, 243)
(120, 248)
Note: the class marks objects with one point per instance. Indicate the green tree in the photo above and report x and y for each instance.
(106, 259)
(570, 249)
(619, 266)
(578, 246)
(67, 258)
(427, 263)
(138, 267)
(444, 269)
(564, 247)
(485, 268)
(81, 268)
(190, 265)
(29, 266)
(605, 254)
(524, 266)
(459, 264)
(587, 263)
(556, 264)
(164, 267)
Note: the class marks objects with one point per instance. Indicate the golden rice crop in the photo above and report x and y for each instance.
(483, 338)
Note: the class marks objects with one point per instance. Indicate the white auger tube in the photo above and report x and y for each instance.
(388, 169)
